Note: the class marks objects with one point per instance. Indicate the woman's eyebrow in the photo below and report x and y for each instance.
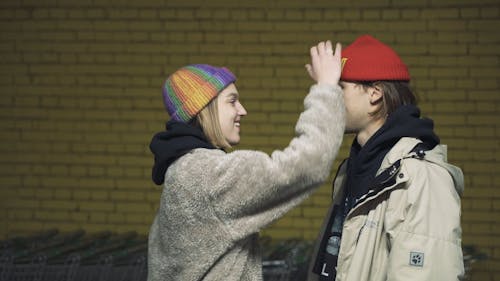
(234, 94)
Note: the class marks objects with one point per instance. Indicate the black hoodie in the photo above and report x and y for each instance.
(365, 161)
(169, 145)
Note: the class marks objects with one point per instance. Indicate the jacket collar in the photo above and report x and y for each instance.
(387, 178)
(437, 155)
(402, 149)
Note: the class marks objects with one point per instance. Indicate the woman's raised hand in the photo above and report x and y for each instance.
(325, 67)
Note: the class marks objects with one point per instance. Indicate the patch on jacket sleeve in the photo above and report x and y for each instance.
(417, 259)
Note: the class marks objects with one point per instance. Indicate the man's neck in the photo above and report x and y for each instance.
(363, 136)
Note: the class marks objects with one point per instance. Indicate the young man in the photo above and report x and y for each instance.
(396, 201)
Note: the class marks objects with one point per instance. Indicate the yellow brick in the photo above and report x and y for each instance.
(140, 228)
(123, 13)
(97, 171)
(275, 13)
(449, 119)
(132, 208)
(446, 25)
(485, 96)
(485, 107)
(297, 212)
(352, 14)
(313, 15)
(302, 223)
(19, 228)
(278, 234)
(221, 14)
(482, 180)
(62, 182)
(478, 216)
(279, 142)
(270, 106)
(92, 159)
(99, 195)
(314, 212)
(294, 15)
(78, 170)
(93, 228)
(42, 193)
(11, 181)
(489, 72)
(477, 229)
(59, 170)
(322, 201)
(391, 14)
(284, 222)
(410, 14)
(58, 205)
(480, 275)
(91, 206)
(481, 192)
(469, 12)
(479, 120)
(311, 235)
(134, 218)
(483, 25)
(79, 217)
(20, 215)
(97, 217)
(52, 216)
(286, 26)
(22, 203)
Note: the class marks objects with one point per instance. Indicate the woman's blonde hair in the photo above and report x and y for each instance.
(208, 120)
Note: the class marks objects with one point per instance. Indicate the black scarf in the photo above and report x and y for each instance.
(363, 164)
(168, 146)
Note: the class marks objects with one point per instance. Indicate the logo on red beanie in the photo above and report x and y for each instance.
(344, 60)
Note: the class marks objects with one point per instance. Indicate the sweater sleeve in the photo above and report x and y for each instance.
(253, 189)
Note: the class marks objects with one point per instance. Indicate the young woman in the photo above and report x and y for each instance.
(214, 203)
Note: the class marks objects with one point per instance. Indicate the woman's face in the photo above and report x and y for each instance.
(230, 113)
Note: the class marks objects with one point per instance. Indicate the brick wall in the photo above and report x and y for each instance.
(80, 98)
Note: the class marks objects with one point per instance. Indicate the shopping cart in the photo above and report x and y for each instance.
(285, 260)
(75, 256)
(107, 256)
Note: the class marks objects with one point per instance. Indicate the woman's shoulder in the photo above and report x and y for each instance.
(212, 158)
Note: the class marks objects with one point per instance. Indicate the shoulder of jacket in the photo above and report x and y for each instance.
(401, 150)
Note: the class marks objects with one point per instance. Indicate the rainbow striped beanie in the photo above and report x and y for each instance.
(188, 90)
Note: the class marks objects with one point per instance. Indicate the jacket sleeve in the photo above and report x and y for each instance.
(253, 189)
(426, 243)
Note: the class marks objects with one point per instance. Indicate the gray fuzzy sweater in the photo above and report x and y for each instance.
(214, 203)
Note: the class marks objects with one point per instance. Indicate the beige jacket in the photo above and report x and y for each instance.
(410, 229)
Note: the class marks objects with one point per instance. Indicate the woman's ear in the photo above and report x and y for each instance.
(376, 95)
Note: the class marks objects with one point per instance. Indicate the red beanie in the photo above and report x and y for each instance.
(368, 59)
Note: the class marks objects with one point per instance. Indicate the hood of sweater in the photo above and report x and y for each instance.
(168, 146)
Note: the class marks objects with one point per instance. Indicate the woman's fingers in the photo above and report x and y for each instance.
(325, 64)
(338, 50)
(328, 47)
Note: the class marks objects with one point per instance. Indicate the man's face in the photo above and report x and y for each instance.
(357, 103)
